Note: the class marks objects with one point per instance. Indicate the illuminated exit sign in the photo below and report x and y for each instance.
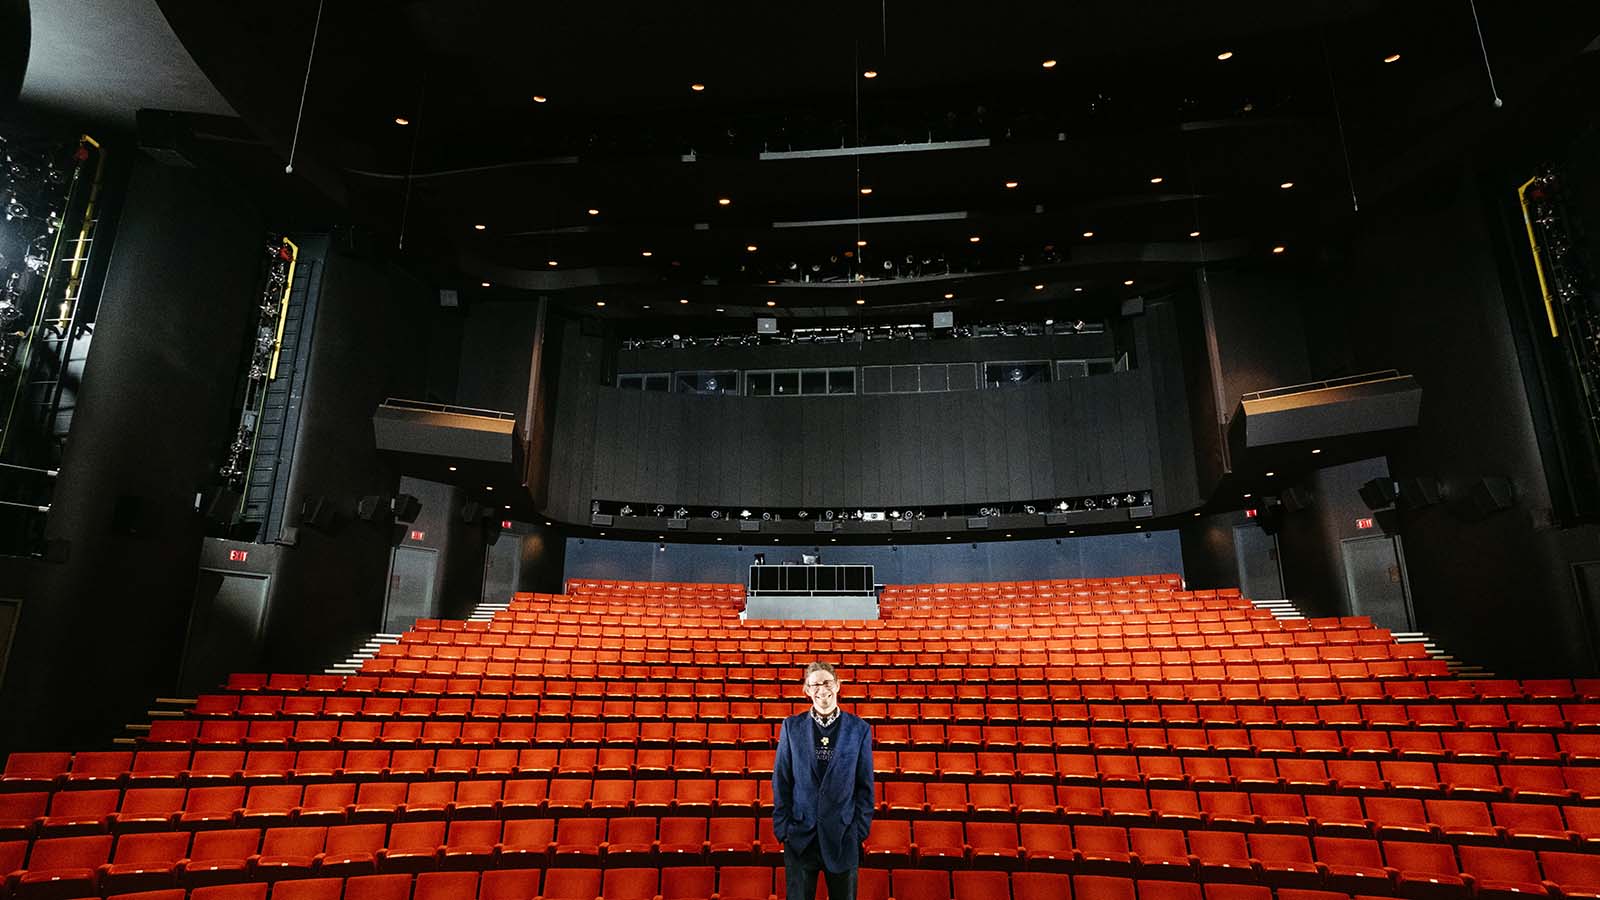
(418, 535)
(505, 524)
(238, 555)
(1249, 514)
(1364, 524)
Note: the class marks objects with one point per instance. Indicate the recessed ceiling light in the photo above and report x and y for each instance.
(999, 299)
(479, 227)
(1286, 185)
(697, 87)
(599, 303)
(1393, 57)
(452, 468)
(974, 239)
(750, 247)
(1088, 234)
(1279, 249)
(1048, 64)
(1038, 287)
(772, 303)
(1128, 283)
(861, 301)
(1194, 234)
(1197, 515)
(1315, 452)
(547, 523)
(1012, 184)
(646, 253)
(1225, 55)
(870, 73)
(593, 211)
(720, 309)
(646, 306)
(1247, 496)
(1077, 290)
(1137, 527)
(1157, 180)
(1049, 321)
(723, 201)
(861, 243)
(508, 506)
(949, 296)
(483, 284)
(539, 98)
(1270, 474)
(401, 120)
(488, 487)
(550, 262)
(865, 191)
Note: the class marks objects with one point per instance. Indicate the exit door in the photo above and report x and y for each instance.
(1256, 554)
(411, 596)
(1375, 580)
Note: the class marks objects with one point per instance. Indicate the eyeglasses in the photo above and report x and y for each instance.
(830, 684)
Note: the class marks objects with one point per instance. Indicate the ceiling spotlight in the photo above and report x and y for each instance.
(488, 487)
(599, 303)
(723, 201)
(646, 253)
(1088, 234)
(593, 211)
(697, 87)
(974, 239)
(1128, 283)
(772, 303)
(870, 73)
(550, 262)
(1038, 287)
(861, 243)
(508, 506)
(1270, 474)
(683, 299)
(1194, 234)
(1048, 64)
(999, 299)
(1225, 55)
(949, 296)
(1286, 185)
(1049, 322)
(1077, 290)
(1315, 452)
(865, 191)
(483, 284)
(646, 306)
(1393, 57)
(1247, 496)
(1279, 249)
(401, 120)
(479, 227)
(720, 309)
(452, 468)
(1157, 180)
(539, 98)
(750, 247)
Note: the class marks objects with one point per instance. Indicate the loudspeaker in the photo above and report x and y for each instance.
(766, 325)
(900, 525)
(977, 521)
(1296, 499)
(448, 297)
(1491, 495)
(822, 527)
(1133, 306)
(471, 511)
(1056, 518)
(315, 512)
(1379, 493)
(679, 524)
(221, 504)
(600, 519)
(747, 525)
(1422, 491)
(1142, 512)
(405, 507)
(370, 507)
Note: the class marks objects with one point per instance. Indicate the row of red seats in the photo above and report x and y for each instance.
(738, 806)
(878, 657)
(1397, 668)
(73, 866)
(1000, 684)
(1106, 625)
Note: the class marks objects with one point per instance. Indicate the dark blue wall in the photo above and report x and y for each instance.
(1095, 556)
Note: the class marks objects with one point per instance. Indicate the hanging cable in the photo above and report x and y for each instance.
(305, 87)
(411, 164)
(1484, 49)
(1338, 115)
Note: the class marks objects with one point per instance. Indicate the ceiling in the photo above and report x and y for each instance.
(1139, 154)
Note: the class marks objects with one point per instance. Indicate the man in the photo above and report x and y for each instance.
(822, 791)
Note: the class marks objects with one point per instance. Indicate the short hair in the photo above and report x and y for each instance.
(819, 666)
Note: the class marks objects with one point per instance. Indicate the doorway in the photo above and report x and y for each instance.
(412, 573)
(1375, 581)
(226, 628)
(1256, 555)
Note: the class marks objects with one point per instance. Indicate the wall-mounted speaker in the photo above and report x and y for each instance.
(900, 525)
(1056, 518)
(471, 511)
(1296, 499)
(1491, 495)
(678, 524)
(1379, 493)
(822, 527)
(1133, 306)
(449, 298)
(600, 519)
(221, 504)
(1421, 491)
(406, 508)
(370, 507)
(316, 512)
(749, 525)
(977, 521)
(1142, 512)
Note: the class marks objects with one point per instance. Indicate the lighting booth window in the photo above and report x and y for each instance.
(800, 382)
(705, 382)
(922, 379)
(1080, 368)
(1014, 373)
(646, 381)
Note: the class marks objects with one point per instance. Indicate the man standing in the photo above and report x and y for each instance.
(822, 791)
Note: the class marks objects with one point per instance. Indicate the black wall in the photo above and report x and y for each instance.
(1115, 432)
(102, 633)
(1309, 540)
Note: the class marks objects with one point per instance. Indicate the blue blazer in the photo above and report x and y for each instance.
(840, 807)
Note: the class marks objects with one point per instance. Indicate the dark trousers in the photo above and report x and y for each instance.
(800, 870)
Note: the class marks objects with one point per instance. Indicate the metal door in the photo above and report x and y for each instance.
(1375, 581)
(412, 571)
(226, 628)
(1256, 554)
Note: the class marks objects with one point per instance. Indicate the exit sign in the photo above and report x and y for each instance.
(238, 555)
(505, 524)
(418, 535)
(1364, 524)
(1249, 514)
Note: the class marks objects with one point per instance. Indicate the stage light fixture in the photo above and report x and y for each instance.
(683, 301)
(452, 468)
(949, 296)
(646, 253)
(861, 243)
(861, 301)
(551, 262)
(1038, 287)
(750, 248)
(1077, 290)
(772, 303)
(744, 513)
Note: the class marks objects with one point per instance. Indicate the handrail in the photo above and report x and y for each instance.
(448, 408)
(1309, 386)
